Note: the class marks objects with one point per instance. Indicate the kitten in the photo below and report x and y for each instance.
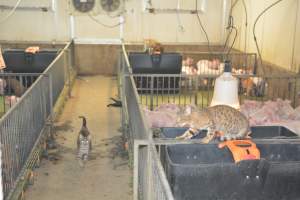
(84, 143)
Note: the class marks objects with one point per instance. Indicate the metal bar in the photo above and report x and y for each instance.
(58, 57)
(20, 74)
(67, 66)
(159, 141)
(170, 11)
(151, 92)
(295, 93)
(161, 174)
(51, 99)
(27, 8)
(218, 53)
(149, 174)
(137, 144)
(214, 76)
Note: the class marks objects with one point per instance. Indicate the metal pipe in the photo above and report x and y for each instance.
(224, 19)
(28, 8)
(160, 171)
(294, 40)
(72, 27)
(172, 11)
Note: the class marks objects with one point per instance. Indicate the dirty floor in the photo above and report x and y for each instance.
(106, 175)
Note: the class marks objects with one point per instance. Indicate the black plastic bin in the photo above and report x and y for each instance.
(165, 63)
(205, 172)
(257, 132)
(18, 61)
(273, 132)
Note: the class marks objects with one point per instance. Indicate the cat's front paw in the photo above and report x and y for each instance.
(206, 140)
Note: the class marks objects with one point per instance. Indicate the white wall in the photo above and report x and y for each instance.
(36, 25)
(296, 57)
(278, 31)
(164, 27)
(47, 26)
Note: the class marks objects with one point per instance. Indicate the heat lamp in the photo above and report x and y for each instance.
(226, 89)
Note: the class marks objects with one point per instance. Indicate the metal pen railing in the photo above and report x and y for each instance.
(12, 87)
(179, 89)
(151, 90)
(20, 128)
(245, 62)
(149, 179)
(29, 120)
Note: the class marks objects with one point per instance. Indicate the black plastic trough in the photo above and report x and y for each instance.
(203, 171)
(257, 132)
(206, 172)
(18, 61)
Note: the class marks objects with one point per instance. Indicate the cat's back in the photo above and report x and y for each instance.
(227, 118)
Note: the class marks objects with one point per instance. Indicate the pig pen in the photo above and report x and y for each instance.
(212, 63)
(153, 177)
(22, 69)
(26, 125)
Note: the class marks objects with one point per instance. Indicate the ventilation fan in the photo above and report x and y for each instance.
(112, 6)
(83, 6)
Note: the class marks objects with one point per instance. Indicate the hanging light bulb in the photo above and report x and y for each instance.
(226, 89)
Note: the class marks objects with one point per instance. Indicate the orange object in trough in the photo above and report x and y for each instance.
(242, 149)
(32, 50)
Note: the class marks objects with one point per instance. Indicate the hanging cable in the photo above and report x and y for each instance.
(234, 39)
(11, 12)
(230, 27)
(227, 38)
(254, 28)
(116, 15)
(230, 11)
(246, 25)
(105, 25)
(203, 29)
(233, 5)
(246, 35)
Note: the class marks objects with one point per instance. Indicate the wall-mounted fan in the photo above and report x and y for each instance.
(83, 5)
(111, 6)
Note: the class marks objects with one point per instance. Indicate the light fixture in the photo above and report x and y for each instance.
(226, 89)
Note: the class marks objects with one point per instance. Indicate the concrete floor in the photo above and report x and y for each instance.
(106, 175)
